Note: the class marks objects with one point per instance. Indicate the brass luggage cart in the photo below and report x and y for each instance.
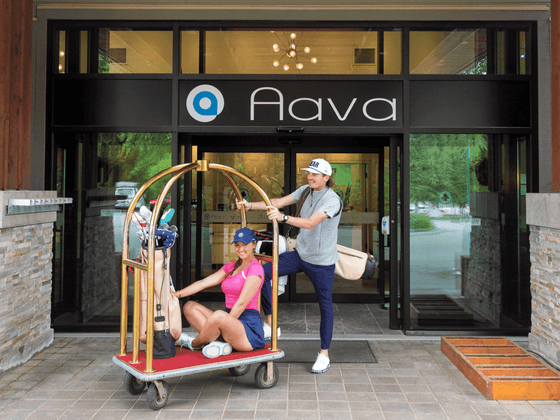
(142, 371)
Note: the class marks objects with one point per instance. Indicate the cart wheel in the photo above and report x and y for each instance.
(261, 378)
(133, 385)
(239, 370)
(156, 401)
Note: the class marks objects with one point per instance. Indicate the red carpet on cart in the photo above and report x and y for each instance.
(185, 358)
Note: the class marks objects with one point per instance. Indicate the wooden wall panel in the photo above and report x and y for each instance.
(15, 92)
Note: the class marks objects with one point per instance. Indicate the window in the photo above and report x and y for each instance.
(135, 51)
(297, 51)
(458, 51)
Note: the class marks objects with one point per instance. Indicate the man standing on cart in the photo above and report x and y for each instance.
(316, 252)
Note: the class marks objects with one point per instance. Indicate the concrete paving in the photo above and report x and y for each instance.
(75, 378)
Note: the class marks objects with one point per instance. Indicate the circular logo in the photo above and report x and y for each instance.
(445, 197)
(205, 103)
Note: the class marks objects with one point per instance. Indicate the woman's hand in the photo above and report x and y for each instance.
(177, 294)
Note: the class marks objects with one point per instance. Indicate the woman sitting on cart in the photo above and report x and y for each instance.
(240, 324)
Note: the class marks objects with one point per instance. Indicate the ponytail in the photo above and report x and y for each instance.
(235, 266)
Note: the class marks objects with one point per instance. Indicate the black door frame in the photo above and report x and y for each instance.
(293, 144)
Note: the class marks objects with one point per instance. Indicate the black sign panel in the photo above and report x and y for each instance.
(96, 102)
(290, 103)
(493, 103)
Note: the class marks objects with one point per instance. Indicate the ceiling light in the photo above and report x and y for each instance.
(288, 47)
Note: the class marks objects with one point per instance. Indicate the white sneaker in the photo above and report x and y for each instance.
(268, 332)
(322, 364)
(186, 341)
(216, 348)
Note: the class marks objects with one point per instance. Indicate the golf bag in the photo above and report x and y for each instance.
(167, 310)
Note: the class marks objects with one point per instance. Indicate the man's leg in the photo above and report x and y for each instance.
(322, 278)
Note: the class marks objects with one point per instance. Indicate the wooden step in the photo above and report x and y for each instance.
(501, 370)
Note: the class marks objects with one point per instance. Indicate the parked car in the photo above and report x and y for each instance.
(125, 192)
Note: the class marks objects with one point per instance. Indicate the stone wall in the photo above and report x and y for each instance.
(26, 251)
(483, 289)
(101, 279)
(544, 220)
(25, 292)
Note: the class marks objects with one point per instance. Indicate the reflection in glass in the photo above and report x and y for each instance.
(500, 52)
(522, 52)
(299, 51)
(190, 50)
(114, 167)
(133, 51)
(453, 225)
(84, 42)
(61, 53)
(459, 51)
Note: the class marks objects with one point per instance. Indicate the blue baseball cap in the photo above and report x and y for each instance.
(244, 235)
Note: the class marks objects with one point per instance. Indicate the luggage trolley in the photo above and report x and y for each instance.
(141, 370)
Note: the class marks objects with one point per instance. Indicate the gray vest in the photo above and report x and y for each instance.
(318, 245)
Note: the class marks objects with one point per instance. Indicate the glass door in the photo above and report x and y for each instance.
(359, 183)
(65, 252)
(274, 165)
(215, 218)
(361, 176)
(514, 235)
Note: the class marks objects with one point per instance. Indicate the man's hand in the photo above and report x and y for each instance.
(274, 214)
(241, 203)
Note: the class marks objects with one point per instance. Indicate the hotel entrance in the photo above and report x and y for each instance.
(361, 171)
(431, 123)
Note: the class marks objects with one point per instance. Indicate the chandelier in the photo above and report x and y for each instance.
(288, 45)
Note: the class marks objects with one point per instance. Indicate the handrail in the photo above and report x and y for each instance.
(176, 172)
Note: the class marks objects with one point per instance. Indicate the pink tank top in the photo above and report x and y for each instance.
(233, 285)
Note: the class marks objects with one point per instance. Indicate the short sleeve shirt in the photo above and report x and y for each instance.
(233, 285)
(318, 244)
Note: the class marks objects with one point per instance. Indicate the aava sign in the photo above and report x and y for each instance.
(282, 103)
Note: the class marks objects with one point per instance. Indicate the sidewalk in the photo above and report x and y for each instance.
(76, 379)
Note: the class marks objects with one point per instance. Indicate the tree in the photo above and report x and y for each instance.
(136, 157)
(439, 163)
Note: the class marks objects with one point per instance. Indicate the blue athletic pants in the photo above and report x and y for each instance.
(322, 277)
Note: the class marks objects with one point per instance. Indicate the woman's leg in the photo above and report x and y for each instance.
(196, 314)
(222, 323)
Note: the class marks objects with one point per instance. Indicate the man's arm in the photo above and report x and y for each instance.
(300, 222)
(261, 205)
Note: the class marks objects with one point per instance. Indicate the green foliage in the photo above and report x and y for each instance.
(136, 157)
(103, 64)
(480, 67)
(352, 195)
(439, 163)
(420, 222)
